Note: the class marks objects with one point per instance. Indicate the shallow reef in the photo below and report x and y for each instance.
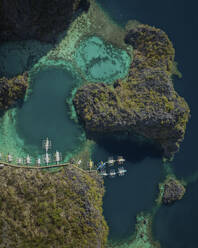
(43, 209)
(145, 102)
(142, 237)
(12, 90)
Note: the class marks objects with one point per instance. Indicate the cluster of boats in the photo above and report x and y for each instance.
(44, 159)
(104, 168)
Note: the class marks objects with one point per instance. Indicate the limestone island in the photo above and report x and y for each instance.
(145, 102)
(42, 209)
(171, 190)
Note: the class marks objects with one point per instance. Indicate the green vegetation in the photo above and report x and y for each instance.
(145, 102)
(154, 44)
(12, 90)
(42, 209)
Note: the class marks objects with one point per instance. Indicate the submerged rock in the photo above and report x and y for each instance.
(41, 20)
(146, 102)
(12, 90)
(173, 191)
(43, 209)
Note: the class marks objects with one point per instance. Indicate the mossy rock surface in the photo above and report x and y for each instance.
(146, 102)
(12, 90)
(45, 210)
(173, 191)
(41, 20)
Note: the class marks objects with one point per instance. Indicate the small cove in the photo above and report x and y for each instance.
(46, 114)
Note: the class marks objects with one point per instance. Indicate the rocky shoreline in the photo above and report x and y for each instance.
(145, 102)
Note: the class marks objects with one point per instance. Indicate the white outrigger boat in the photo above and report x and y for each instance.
(111, 161)
(47, 158)
(121, 171)
(19, 161)
(47, 144)
(28, 160)
(38, 161)
(120, 160)
(57, 157)
(103, 173)
(9, 158)
(112, 173)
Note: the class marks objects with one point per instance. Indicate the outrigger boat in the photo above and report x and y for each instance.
(120, 160)
(121, 171)
(47, 144)
(47, 158)
(28, 160)
(112, 173)
(111, 161)
(20, 161)
(39, 161)
(57, 157)
(9, 158)
(103, 173)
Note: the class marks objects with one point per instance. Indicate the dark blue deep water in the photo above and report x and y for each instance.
(174, 226)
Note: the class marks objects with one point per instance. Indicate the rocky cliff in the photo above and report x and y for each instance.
(145, 103)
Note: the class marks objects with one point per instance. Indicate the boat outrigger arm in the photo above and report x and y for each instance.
(101, 165)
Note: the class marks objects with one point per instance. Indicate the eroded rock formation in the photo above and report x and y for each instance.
(173, 191)
(146, 102)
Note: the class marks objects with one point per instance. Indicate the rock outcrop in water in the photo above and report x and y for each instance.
(43, 209)
(12, 90)
(41, 20)
(145, 103)
(173, 191)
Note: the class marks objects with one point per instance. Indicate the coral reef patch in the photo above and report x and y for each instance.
(100, 62)
(142, 237)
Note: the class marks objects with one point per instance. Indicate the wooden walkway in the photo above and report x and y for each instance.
(35, 167)
(44, 167)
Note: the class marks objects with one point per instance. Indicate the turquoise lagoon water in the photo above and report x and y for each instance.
(47, 110)
(46, 114)
(101, 62)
